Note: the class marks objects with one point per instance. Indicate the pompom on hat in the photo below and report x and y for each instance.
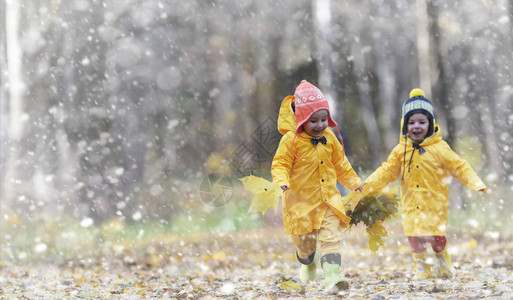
(417, 103)
(308, 99)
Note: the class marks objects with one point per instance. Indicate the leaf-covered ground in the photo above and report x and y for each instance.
(259, 264)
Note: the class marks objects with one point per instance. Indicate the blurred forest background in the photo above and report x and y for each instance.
(146, 112)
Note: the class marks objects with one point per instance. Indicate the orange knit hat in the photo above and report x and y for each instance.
(308, 99)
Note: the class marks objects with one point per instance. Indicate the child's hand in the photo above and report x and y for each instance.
(284, 187)
(359, 189)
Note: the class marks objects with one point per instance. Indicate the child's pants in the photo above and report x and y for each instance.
(417, 243)
(329, 236)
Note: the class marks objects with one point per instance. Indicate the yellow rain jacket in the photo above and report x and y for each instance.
(425, 186)
(313, 180)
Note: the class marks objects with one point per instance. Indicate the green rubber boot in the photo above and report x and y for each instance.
(308, 270)
(333, 281)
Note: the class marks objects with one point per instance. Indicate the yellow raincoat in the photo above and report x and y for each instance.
(425, 187)
(312, 181)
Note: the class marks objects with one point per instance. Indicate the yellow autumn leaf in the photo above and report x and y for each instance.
(218, 256)
(375, 234)
(154, 260)
(472, 244)
(14, 218)
(352, 199)
(377, 229)
(265, 193)
(375, 242)
(290, 285)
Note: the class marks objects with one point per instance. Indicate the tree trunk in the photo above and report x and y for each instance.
(424, 61)
(3, 100)
(327, 62)
(510, 10)
(367, 106)
(15, 109)
(440, 94)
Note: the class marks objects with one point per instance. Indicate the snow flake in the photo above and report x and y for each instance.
(41, 247)
(156, 190)
(228, 288)
(137, 216)
(86, 222)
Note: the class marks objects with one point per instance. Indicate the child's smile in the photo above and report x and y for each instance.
(317, 123)
(418, 125)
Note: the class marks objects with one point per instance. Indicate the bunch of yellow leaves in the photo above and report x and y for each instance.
(373, 209)
(266, 193)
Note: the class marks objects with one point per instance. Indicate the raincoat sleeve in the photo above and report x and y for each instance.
(386, 173)
(460, 168)
(345, 172)
(282, 162)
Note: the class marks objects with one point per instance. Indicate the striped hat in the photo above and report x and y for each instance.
(417, 103)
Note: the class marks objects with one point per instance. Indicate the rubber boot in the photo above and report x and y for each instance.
(444, 264)
(333, 281)
(422, 268)
(308, 270)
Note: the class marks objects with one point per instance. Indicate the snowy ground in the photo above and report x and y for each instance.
(260, 264)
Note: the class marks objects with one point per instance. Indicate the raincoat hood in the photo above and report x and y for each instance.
(286, 118)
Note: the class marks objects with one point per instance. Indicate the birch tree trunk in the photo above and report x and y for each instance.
(327, 62)
(15, 109)
(3, 98)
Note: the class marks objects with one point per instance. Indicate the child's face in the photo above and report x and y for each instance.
(418, 125)
(317, 123)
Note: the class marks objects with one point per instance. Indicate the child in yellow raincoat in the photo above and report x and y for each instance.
(424, 162)
(307, 165)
